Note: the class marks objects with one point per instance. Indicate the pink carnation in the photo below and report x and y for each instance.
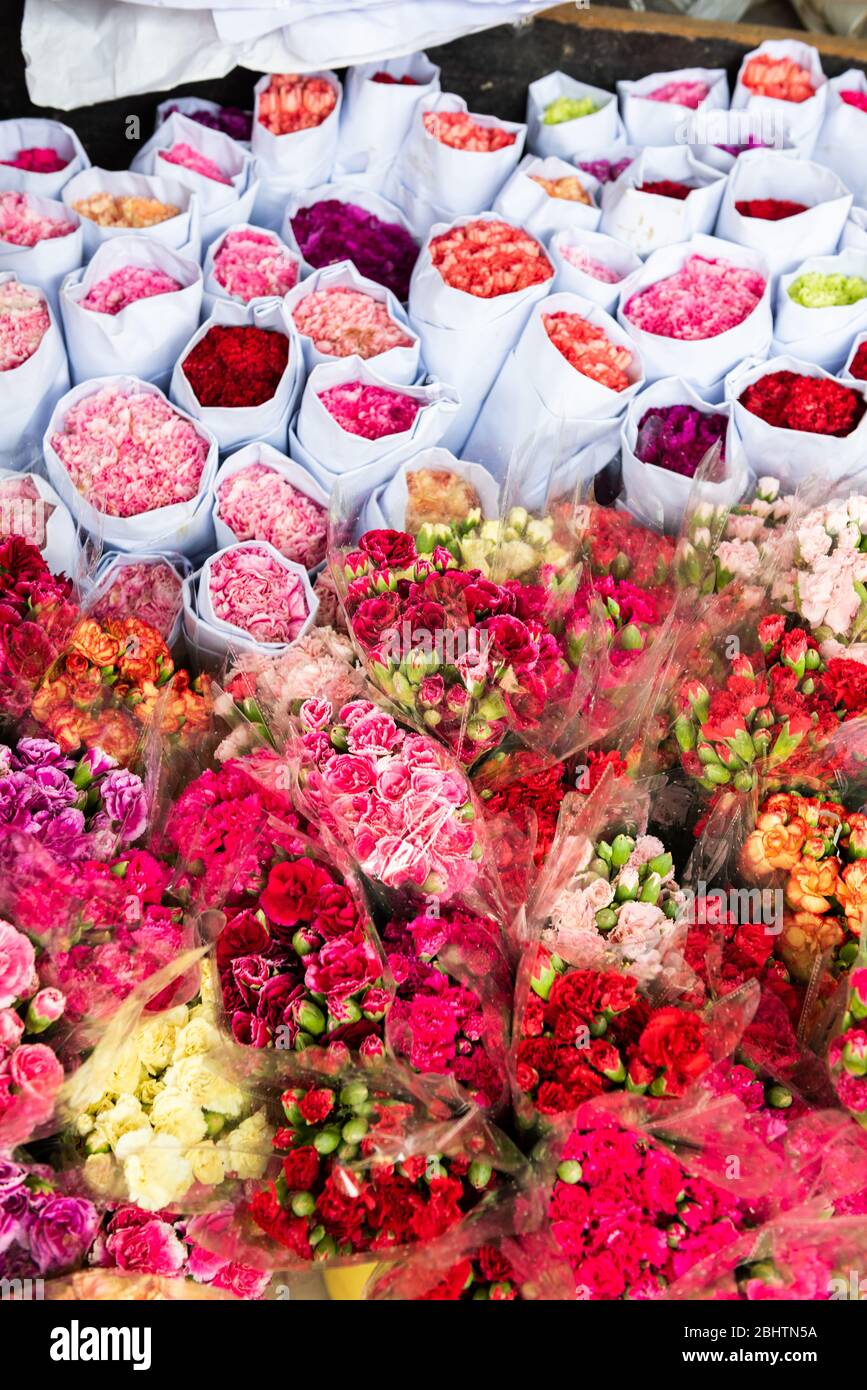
(125, 286)
(370, 411)
(130, 454)
(189, 158)
(151, 591)
(252, 590)
(343, 322)
(250, 265)
(257, 504)
(24, 321)
(581, 260)
(690, 94)
(702, 299)
(22, 225)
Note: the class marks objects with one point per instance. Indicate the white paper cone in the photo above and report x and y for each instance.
(846, 373)
(465, 337)
(563, 139)
(389, 503)
(35, 132)
(342, 193)
(107, 573)
(649, 122)
(399, 365)
(844, 131)
(305, 156)
(321, 436)
(234, 426)
(656, 491)
(647, 221)
(854, 234)
(45, 264)
(29, 393)
(45, 521)
(372, 475)
(619, 258)
(213, 290)
(793, 455)
(186, 106)
(540, 397)
(526, 202)
(221, 204)
(376, 116)
(215, 638)
(181, 232)
(148, 335)
(820, 335)
(702, 363)
(785, 244)
(184, 526)
(278, 463)
(797, 122)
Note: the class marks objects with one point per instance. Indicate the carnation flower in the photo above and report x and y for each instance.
(589, 350)
(22, 225)
(130, 454)
(677, 437)
(257, 503)
(667, 188)
(769, 209)
(370, 411)
(605, 170)
(489, 258)
(291, 103)
(250, 589)
(702, 299)
(817, 405)
(346, 322)
(690, 94)
(231, 120)
(38, 159)
(125, 286)
(582, 260)
(458, 129)
(813, 290)
(568, 109)
(251, 265)
(151, 591)
(858, 365)
(189, 158)
(781, 78)
(126, 210)
(854, 98)
(330, 230)
(236, 365)
(569, 188)
(24, 321)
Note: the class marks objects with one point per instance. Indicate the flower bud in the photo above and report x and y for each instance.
(570, 1171)
(45, 1008)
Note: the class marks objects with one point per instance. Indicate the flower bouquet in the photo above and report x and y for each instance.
(34, 372)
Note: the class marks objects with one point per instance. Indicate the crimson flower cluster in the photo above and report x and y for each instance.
(813, 404)
(37, 614)
(236, 365)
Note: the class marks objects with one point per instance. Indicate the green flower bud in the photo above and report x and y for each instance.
(479, 1174)
(570, 1171)
(353, 1094)
(621, 849)
(326, 1141)
(302, 1204)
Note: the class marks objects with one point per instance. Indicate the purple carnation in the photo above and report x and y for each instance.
(330, 231)
(677, 437)
(40, 752)
(123, 797)
(605, 170)
(231, 120)
(61, 1232)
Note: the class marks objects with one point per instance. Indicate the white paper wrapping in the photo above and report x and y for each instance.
(463, 337)
(302, 159)
(784, 244)
(793, 455)
(184, 526)
(822, 335)
(46, 263)
(432, 182)
(110, 564)
(599, 128)
(50, 522)
(775, 120)
(646, 221)
(213, 290)
(846, 373)
(526, 202)
(182, 232)
(614, 254)
(705, 362)
(376, 116)
(148, 335)
(537, 488)
(539, 398)
(386, 507)
(657, 491)
(365, 479)
(233, 426)
(322, 437)
(342, 193)
(29, 132)
(29, 393)
(221, 204)
(650, 122)
(264, 454)
(399, 365)
(844, 131)
(214, 638)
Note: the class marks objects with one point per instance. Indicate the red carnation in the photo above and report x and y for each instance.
(674, 1039)
(316, 1105)
(301, 1168)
